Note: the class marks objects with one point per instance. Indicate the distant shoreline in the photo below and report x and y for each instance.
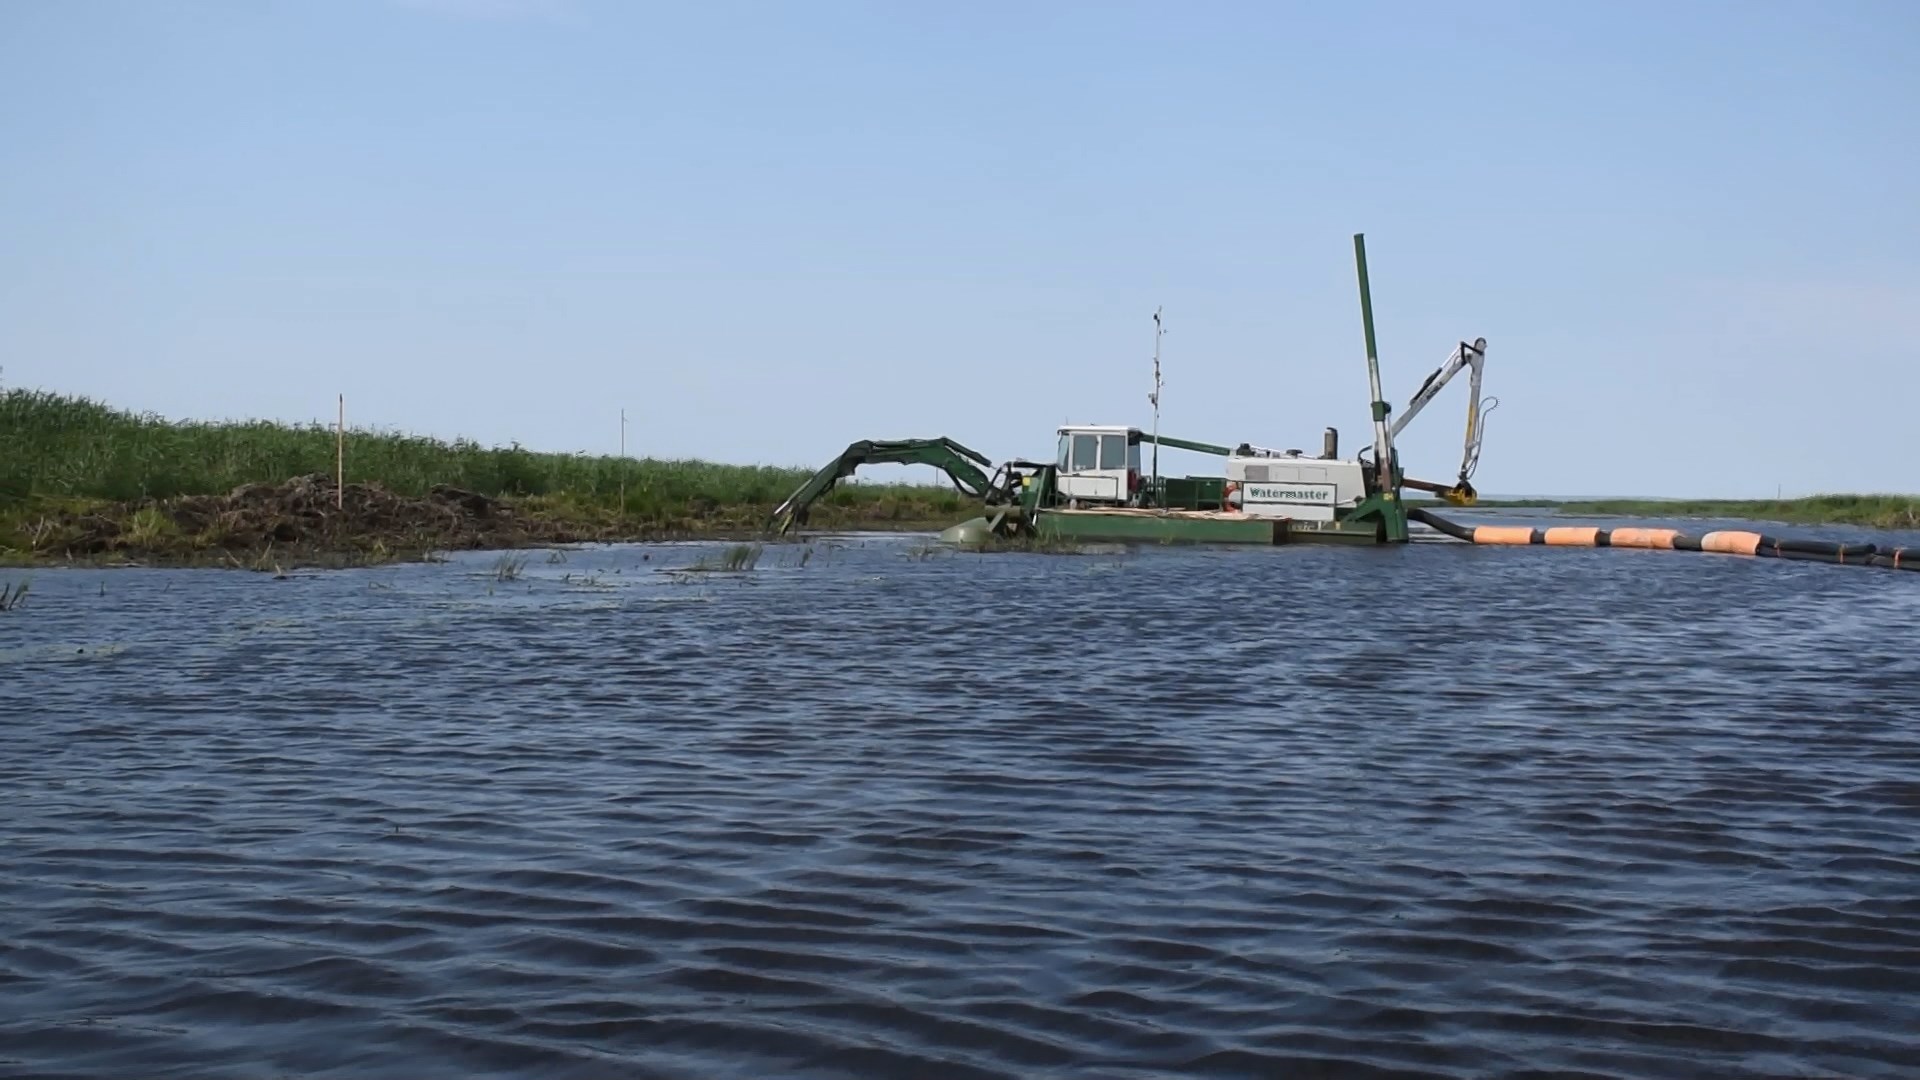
(1868, 511)
(82, 483)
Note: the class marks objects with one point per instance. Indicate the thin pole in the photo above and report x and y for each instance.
(623, 460)
(1382, 439)
(1155, 398)
(340, 457)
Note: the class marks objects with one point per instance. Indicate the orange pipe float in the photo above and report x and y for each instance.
(1642, 538)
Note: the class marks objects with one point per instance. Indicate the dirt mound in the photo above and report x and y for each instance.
(305, 515)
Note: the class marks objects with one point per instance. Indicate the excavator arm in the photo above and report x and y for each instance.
(1474, 357)
(965, 467)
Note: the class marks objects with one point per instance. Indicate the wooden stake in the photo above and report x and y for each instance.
(340, 458)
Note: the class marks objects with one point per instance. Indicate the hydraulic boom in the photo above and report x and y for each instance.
(957, 461)
(1472, 356)
(1186, 444)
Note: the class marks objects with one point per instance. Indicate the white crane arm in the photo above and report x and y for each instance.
(1463, 355)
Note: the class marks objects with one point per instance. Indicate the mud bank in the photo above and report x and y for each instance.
(307, 522)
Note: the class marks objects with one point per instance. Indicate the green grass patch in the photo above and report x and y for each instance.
(735, 559)
(1872, 511)
(57, 446)
(68, 464)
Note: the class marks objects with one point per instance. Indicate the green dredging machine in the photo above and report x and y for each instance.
(1095, 488)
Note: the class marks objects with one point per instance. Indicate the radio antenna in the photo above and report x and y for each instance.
(1158, 332)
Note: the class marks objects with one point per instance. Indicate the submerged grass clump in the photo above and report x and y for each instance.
(928, 549)
(735, 559)
(801, 560)
(12, 596)
(1027, 542)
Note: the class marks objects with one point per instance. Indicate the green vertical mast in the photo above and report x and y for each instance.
(1384, 504)
(1382, 437)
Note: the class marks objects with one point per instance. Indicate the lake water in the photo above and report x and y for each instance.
(1436, 810)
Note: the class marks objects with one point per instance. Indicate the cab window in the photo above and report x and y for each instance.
(1084, 449)
(1113, 452)
(1066, 453)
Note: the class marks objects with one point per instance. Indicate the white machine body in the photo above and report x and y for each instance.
(1290, 485)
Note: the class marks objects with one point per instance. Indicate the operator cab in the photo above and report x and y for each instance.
(1099, 464)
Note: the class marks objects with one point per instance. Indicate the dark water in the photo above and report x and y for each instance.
(1433, 811)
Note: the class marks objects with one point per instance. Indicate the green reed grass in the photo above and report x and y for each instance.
(58, 447)
(735, 559)
(1872, 511)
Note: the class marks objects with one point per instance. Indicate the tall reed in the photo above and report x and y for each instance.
(1873, 511)
(56, 446)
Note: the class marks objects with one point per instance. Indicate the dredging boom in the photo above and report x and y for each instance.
(964, 466)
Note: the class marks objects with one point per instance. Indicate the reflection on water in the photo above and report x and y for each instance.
(1438, 810)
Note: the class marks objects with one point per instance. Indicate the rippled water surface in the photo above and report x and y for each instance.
(1428, 811)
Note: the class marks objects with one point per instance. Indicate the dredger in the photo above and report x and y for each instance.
(1096, 488)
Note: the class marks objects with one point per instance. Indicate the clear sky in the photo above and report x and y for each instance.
(1690, 232)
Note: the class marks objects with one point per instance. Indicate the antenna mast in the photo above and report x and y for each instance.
(1154, 397)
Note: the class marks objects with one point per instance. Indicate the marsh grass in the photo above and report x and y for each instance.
(1872, 511)
(54, 447)
(792, 558)
(923, 550)
(12, 595)
(735, 559)
(1028, 543)
(261, 562)
(509, 567)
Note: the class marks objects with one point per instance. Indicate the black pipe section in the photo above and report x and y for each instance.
(1458, 532)
(1824, 547)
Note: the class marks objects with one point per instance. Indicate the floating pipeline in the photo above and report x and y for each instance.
(1724, 542)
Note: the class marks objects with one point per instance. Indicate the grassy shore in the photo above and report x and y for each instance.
(1870, 511)
(79, 479)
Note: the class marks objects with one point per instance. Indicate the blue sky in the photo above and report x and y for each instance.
(1689, 232)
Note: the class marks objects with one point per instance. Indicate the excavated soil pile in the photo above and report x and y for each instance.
(301, 516)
